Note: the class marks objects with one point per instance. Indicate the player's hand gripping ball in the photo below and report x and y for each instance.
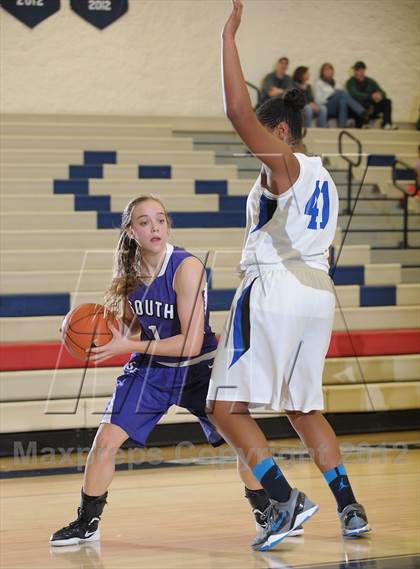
(86, 327)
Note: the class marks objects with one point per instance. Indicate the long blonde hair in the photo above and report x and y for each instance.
(127, 258)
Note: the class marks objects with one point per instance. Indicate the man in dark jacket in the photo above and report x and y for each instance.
(369, 94)
(275, 83)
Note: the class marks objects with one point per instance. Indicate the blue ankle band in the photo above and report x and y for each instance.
(341, 470)
(333, 473)
(263, 467)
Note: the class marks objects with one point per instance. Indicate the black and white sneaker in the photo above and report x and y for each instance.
(86, 527)
(79, 531)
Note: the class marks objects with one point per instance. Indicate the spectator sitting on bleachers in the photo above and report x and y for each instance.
(369, 94)
(337, 101)
(275, 83)
(312, 109)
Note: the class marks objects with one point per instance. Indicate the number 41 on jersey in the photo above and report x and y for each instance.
(312, 207)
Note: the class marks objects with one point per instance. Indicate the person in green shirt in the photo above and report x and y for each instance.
(369, 94)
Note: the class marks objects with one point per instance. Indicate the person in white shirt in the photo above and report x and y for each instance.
(338, 102)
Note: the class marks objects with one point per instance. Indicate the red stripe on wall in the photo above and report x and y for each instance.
(49, 355)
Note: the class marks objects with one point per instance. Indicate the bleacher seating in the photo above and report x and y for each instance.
(64, 183)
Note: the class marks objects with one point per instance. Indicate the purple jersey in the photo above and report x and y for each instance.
(155, 308)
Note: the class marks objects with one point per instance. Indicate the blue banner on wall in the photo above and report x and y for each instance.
(31, 12)
(100, 13)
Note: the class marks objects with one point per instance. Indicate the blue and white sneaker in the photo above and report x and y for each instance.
(283, 518)
(353, 520)
(260, 527)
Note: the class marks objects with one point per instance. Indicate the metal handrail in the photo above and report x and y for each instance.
(395, 179)
(359, 148)
(252, 86)
(407, 195)
(352, 163)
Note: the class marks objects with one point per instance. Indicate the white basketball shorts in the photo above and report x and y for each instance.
(272, 350)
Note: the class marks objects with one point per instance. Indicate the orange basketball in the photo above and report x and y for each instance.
(86, 326)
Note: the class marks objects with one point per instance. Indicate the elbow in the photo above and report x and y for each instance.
(233, 114)
(193, 349)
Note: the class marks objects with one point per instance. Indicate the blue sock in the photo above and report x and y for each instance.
(272, 479)
(340, 486)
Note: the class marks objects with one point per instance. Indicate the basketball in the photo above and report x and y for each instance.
(87, 326)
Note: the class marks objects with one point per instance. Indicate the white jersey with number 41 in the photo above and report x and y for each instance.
(296, 226)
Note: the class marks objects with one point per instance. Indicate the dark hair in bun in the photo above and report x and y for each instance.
(286, 108)
(295, 99)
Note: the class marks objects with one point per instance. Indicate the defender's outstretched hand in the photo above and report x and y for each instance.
(234, 19)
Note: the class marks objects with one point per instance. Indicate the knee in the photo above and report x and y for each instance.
(296, 417)
(105, 443)
(222, 411)
(215, 411)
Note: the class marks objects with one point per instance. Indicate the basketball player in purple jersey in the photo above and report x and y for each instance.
(160, 291)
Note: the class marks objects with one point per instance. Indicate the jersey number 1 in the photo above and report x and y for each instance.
(155, 332)
(312, 209)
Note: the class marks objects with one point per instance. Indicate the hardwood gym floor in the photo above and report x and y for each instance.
(195, 517)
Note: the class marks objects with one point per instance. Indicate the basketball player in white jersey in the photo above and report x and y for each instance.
(272, 350)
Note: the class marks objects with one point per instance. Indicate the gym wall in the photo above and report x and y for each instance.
(163, 57)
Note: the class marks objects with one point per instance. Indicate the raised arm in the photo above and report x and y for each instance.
(277, 155)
